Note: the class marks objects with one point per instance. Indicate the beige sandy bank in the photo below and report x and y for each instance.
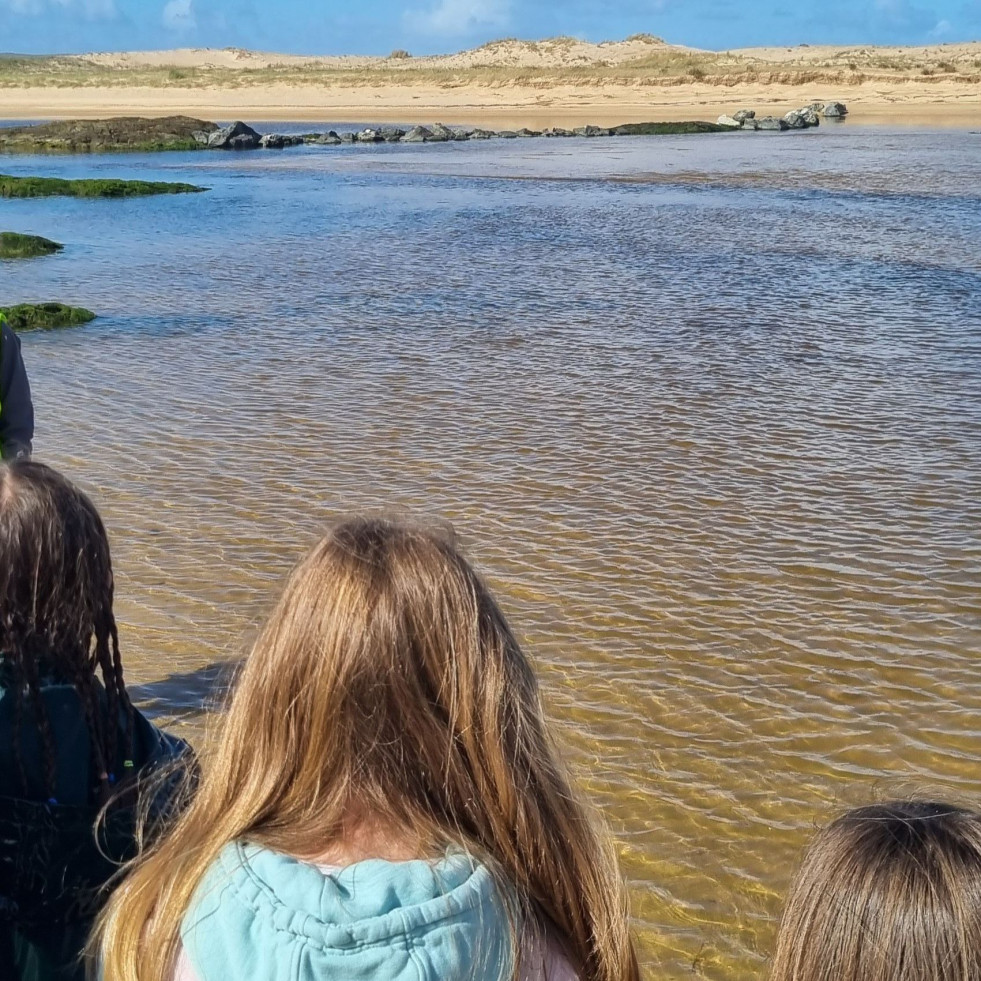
(937, 104)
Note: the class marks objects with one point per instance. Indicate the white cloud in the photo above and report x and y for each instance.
(941, 28)
(458, 17)
(178, 15)
(90, 9)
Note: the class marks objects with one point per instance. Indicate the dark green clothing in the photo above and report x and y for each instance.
(52, 871)
(16, 406)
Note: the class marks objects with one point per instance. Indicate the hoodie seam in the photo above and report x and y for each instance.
(251, 904)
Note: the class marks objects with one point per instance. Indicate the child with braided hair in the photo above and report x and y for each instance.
(71, 743)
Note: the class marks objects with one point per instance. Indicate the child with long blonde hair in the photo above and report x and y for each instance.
(889, 892)
(384, 801)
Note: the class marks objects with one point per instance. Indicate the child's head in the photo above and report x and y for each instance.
(890, 892)
(387, 690)
(56, 591)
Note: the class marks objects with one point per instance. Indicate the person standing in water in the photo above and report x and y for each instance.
(16, 407)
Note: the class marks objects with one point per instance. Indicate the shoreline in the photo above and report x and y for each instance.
(909, 104)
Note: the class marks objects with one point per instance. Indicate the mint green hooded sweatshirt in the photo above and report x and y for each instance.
(262, 916)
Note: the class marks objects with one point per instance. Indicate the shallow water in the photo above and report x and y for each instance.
(707, 409)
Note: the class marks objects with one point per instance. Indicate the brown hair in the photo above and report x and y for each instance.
(889, 892)
(386, 682)
(56, 620)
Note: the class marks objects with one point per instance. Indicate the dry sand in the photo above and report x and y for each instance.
(508, 83)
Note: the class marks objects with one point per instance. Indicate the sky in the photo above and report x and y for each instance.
(434, 26)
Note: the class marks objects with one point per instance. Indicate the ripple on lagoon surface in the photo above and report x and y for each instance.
(716, 447)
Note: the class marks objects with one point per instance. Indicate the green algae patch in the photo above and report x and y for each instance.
(46, 187)
(121, 134)
(45, 316)
(13, 245)
(669, 129)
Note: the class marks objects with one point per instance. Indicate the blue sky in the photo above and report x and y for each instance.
(428, 26)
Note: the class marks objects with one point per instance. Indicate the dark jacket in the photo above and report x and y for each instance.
(16, 407)
(53, 870)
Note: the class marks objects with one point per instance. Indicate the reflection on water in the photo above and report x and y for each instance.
(714, 438)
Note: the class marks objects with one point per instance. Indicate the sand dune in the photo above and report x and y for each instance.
(560, 81)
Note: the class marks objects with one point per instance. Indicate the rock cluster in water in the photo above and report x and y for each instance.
(239, 136)
(795, 119)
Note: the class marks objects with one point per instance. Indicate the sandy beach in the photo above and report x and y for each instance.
(509, 83)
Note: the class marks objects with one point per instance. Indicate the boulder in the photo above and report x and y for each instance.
(749, 123)
(368, 136)
(835, 110)
(554, 131)
(591, 131)
(771, 124)
(418, 134)
(441, 134)
(730, 121)
(810, 117)
(795, 120)
(817, 106)
(201, 137)
(742, 115)
(276, 141)
(238, 136)
(347, 137)
(391, 134)
(328, 139)
(527, 134)
(481, 134)
(506, 134)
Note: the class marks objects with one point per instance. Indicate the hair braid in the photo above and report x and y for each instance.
(43, 723)
(19, 683)
(120, 685)
(90, 703)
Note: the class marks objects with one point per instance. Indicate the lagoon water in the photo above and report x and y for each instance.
(706, 409)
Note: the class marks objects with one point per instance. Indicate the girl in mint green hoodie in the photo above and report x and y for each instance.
(383, 801)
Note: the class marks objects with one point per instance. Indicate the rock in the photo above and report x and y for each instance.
(668, 129)
(554, 131)
(771, 124)
(238, 136)
(276, 141)
(441, 134)
(527, 134)
(121, 133)
(418, 134)
(462, 134)
(591, 131)
(729, 121)
(506, 134)
(368, 136)
(835, 110)
(794, 120)
(817, 106)
(347, 137)
(481, 134)
(391, 134)
(810, 117)
(749, 123)
(45, 316)
(328, 139)
(743, 114)
(13, 245)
